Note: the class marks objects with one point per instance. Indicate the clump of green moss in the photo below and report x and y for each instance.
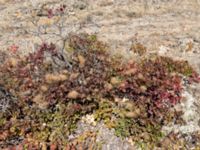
(129, 121)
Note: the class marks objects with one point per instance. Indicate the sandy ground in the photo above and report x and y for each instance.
(170, 28)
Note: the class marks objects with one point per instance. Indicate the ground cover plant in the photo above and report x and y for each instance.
(44, 94)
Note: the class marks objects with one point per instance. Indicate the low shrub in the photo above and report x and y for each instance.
(54, 89)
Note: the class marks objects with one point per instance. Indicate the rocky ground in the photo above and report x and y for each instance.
(169, 28)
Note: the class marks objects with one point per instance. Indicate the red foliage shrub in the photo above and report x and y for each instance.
(152, 84)
(48, 86)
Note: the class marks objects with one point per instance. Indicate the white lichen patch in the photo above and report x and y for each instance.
(191, 116)
(190, 109)
(89, 119)
(163, 50)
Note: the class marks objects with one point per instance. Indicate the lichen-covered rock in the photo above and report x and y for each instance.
(7, 101)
